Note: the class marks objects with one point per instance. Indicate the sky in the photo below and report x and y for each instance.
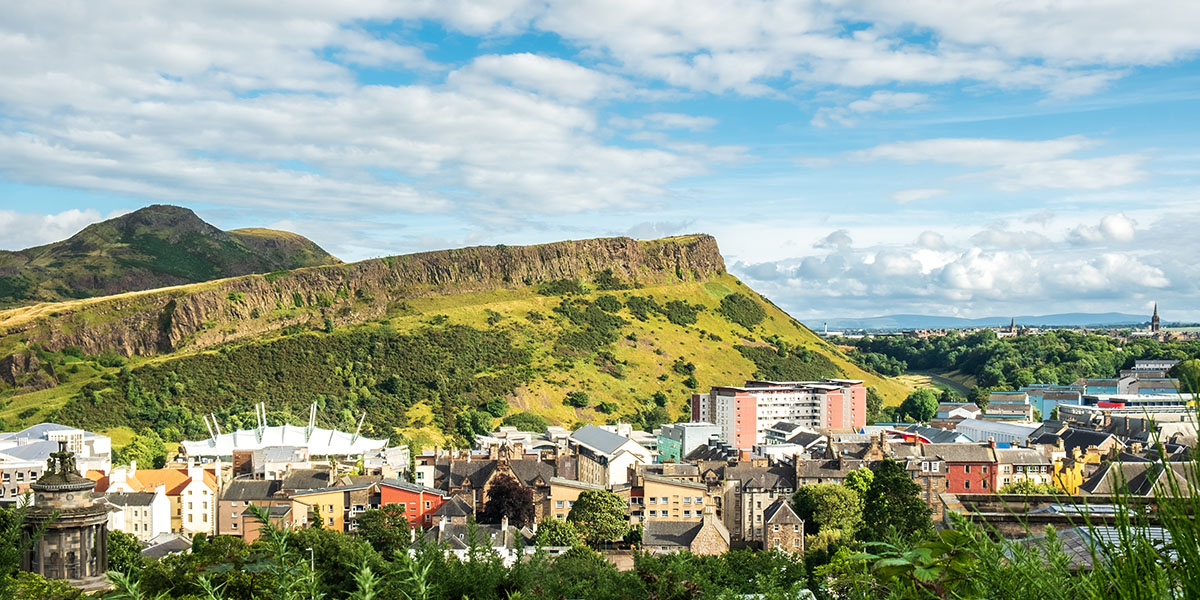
(852, 157)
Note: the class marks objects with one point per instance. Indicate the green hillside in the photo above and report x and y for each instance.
(447, 366)
(150, 248)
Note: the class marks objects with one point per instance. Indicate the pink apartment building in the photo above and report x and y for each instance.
(744, 413)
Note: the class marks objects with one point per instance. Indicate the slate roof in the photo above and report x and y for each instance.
(130, 498)
(251, 489)
(600, 440)
(806, 438)
(976, 453)
(767, 478)
(454, 508)
(671, 534)
(1139, 478)
(1075, 438)
(306, 479)
(678, 482)
(780, 511)
(400, 484)
(822, 468)
(37, 451)
(785, 426)
(575, 484)
(171, 545)
(41, 429)
(458, 536)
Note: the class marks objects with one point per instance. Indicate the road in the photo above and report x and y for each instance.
(954, 385)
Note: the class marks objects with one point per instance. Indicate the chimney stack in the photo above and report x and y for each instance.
(504, 524)
(992, 442)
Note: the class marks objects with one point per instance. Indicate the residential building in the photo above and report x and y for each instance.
(950, 414)
(745, 413)
(140, 514)
(336, 506)
(970, 468)
(745, 490)
(419, 502)
(16, 475)
(564, 493)
(667, 498)
(389, 463)
(605, 458)
(1023, 464)
(233, 517)
(1142, 479)
(23, 455)
(677, 440)
(708, 536)
(276, 461)
(470, 480)
(783, 530)
(504, 541)
(192, 490)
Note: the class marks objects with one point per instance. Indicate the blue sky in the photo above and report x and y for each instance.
(853, 157)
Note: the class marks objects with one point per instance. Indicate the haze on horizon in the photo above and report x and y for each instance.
(852, 157)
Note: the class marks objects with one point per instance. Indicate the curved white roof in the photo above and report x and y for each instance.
(321, 442)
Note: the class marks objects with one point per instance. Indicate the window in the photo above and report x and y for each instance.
(653, 500)
(967, 469)
(234, 525)
(189, 506)
(654, 513)
(775, 527)
(329, 521)
(558, 504)
(664, 499)
(687, 499)
(428, 505)
(795, 528)
(967, 484)
(699, 499)
(935, 467)
(985, 484)
(687, 514)
(796, 543)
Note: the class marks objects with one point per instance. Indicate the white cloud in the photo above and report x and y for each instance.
(931, 240)
(679, 121)
(1018, 164)
(1112, 228)
(880, 101)
(917, 194)
(20, 230)
(836, 240)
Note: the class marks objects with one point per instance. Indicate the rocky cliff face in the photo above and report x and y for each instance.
(207, 314)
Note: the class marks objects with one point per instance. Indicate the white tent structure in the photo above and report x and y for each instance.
(318, 440)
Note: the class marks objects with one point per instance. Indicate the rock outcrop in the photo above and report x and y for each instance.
(212, 313)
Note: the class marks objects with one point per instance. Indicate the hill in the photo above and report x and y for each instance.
(888, 322)
(154, 247)
(430, 346)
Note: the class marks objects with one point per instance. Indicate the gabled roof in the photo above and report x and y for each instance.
(975, 453)
(306, 479)
(1073, 438)
(251, 489)
(1021, 456)
(767, 478)
(671, 534)
(529, 472)
(823, 468)
(599, 440)
(454, 508)
(575, 484)
(458, 536)
(174, 480)
(1139, 479)
(400, 484)
(936, 435)
(677, 482)
(173, 544)
(130, 498)
(780, 511)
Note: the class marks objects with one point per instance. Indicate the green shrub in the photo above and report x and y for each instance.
(680, 312)
(576, 399)
(741, 309)
(561, 287)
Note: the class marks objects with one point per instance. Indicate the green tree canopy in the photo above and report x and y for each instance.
(385, 528)
(860, 480)
(599, 516)
(921, 405)
(893, 504)
(553, 532)
(827, 506)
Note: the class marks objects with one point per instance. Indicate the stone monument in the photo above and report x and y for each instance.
(74, 528)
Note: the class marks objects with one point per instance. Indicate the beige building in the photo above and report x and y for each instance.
(669, 499)
(708, 536)
(192, 491)
(564, 493)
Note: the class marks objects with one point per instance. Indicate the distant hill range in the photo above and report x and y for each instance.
(154, 247)
(938, 322)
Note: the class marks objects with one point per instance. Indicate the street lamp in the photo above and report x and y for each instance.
(312, 570)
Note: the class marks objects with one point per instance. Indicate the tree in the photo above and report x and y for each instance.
(576, 399)
(874, 405)
(921, 405)
(1025, 486)
(894, 504)
(827, 506)
(508, 498)
(599, 516)
(741, 309)
(124, 553)
(147, 448)
(385, 528)
(13, 544)
(527, 421)
(859, 480)
(552, 532)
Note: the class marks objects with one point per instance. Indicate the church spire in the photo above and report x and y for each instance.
(1154, 323)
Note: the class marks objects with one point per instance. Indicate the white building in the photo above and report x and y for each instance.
(981, 431)
(745, 413)
(143, 515)
(93, 452)
(605, 458)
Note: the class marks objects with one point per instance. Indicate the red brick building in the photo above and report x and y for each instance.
(419, 501)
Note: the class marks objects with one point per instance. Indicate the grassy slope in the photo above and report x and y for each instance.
(658, 344)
